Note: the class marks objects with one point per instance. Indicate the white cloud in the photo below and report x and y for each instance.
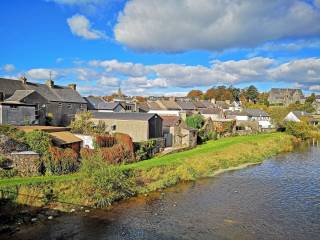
(81, 26)
(127, 68)
(300, 71)
(108, 81)
(144, 82)
(42, 73)
(182, 25)
(8, 68)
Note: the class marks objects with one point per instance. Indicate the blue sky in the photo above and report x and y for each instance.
(162, 46)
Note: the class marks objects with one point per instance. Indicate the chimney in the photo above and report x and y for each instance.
(183, 115)
(50, 83)
(73, 86)
(23, 79)
(213, 100)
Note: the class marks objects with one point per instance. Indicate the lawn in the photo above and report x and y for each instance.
(210, 146)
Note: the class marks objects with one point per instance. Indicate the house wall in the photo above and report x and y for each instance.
(137, 130)
(41, 102)
(63, 113)
(17, 114)
(291, 117)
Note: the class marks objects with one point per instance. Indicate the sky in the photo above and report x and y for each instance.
(162, 47)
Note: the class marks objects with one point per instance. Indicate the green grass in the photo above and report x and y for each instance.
(7, 182)
(167, 160)
(210, 146)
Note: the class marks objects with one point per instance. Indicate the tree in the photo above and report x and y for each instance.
(195, 121)
(83, 124)
(252, 93)
(235, 93)
(310, 99)
(195, 94)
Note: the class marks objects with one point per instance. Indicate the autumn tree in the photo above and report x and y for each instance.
(195, 94)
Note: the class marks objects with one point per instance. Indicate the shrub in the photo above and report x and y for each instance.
(39, 142)
(111, 184)
(105, 141)
(62, 161)
(195, 121)
(144, 150)
(299, 129)
(83, 124)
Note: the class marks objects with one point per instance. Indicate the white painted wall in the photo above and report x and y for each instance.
(291, 117)
(87, 141)
(242, 118)
(165, 112)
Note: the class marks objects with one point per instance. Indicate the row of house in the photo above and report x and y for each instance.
(26, 103)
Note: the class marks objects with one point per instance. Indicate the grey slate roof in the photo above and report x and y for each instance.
(199, 104)
(20, 95)
(184, 105)
(124, 115)
(54, 94)
(210, 111)
(153, 105)
(256, 113)
(97, 103)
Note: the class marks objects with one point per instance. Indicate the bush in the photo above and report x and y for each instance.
(62, 161)
(111, 184)
(145, 150)
(83, 124)
(39, 141)
(300, 130)
(12, 132)
(195, 121)
(105, 141)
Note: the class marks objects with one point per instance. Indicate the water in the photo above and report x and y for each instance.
(279, 199)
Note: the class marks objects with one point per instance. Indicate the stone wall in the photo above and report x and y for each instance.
(26, 163)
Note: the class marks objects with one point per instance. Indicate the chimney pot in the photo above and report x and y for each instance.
(23, 79)
(50, 83)
(73, 86)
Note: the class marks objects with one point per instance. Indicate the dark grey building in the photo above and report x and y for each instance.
(285, 96)
(55, 105)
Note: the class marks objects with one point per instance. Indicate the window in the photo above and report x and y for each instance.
(69, 106)
(60, 105)
(113, 127)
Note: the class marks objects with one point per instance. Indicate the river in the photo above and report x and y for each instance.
(279, 199)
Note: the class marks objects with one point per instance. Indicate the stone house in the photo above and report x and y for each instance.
(212, 113)
(15, 113)
(54, 104)
(164, 108)
(139, 126)
(285, 96)
(177, 133)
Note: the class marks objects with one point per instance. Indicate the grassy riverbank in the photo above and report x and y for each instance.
(100, 185)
